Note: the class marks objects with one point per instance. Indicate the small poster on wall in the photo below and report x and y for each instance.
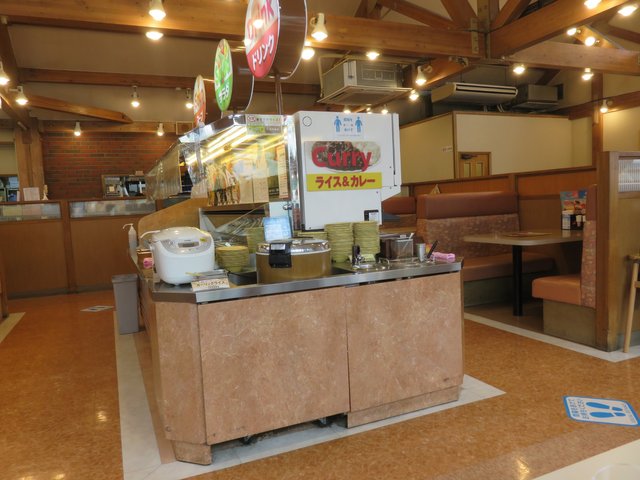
(574, 209)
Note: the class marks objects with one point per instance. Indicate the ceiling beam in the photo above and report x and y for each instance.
(444, 69)
(584, 32)
(36, 75)
(187, 18)
(46, 103)
(418, 14)
(170, 128)
(487, 12)
(224, 19)
(362, 10)
(616, 103)
(15, 112)
(460, 12)
(393, 38)
(617, 32)
(543, 24)
(565, 55)
(510, 12)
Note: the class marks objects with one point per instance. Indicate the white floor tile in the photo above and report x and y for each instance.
(587, 469)
(616, 356)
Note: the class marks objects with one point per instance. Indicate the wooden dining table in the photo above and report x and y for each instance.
(520, 239)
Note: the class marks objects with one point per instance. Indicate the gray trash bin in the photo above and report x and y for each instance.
(125, 289)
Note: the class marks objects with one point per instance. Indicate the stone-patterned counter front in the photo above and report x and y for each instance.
(367, 349)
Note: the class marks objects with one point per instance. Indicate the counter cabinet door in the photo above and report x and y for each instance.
(405, 339)
(273, 361)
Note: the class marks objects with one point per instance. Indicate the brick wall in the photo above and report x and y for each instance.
(73, 166)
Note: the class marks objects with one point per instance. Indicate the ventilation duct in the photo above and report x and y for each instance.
(536, 97)
(473, 93)
(356, 82)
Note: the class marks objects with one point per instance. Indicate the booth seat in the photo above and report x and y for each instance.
(399, 212)
(449, 217)
(569, 301)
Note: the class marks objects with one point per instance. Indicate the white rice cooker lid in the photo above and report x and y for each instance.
(183, 240)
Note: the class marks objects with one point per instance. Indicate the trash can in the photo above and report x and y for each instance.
(125, 289)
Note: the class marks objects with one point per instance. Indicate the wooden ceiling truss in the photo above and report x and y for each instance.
(453, 44)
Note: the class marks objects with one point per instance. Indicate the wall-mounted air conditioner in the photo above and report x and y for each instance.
(356, 82)
(473, 93)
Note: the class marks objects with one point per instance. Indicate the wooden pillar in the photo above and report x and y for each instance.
(597, 130)
(29, 156)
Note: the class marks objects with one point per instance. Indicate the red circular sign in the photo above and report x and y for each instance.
(261, 30)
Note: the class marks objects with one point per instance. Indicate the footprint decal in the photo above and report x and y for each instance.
(607, 410)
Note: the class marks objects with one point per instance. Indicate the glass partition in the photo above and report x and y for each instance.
(103, 208)
(239, 160)
(29, 211)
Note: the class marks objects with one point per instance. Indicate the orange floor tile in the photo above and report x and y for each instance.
(60, 420)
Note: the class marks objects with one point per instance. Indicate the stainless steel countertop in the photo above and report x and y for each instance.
(162, 292)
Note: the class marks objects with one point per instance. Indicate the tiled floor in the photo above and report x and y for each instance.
(60, 416)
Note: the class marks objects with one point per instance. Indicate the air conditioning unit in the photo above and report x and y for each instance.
(536, 97)
(356, 82)
(473, 93)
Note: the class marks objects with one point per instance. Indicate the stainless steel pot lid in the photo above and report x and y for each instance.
(298, 246)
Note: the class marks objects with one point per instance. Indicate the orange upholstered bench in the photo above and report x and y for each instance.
(450, 217)
(399, 212)
(570, 300)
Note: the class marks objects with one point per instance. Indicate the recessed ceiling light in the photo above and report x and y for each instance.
(154, 35)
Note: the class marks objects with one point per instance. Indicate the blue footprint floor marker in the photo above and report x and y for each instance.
(601, 410)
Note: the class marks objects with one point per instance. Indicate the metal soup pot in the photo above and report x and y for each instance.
(292, 259)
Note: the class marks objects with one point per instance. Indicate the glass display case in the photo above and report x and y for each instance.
(103, 208)
(30, 211)
(239, 160)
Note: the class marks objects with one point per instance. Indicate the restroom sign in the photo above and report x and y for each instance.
(601, 410)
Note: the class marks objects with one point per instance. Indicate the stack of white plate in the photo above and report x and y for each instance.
(367, 235)
(233, 258)
(340, 236)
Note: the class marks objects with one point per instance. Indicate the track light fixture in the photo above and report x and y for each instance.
(587, 74)
(307, 51)
(346, 109)
(628, 9)
(319, 31)
(154, 35)
(591, 4)
(135, 98)
(420, 78)
(372, 54)
(519, 69)
(590, 41)
(77, 131)
(160, 131)
(21, 98)
(413, 95)
(156, 10)
(384, 110)
(572, 31)
(605, 106)
(4, 78)
(369, 111)
(189, 100)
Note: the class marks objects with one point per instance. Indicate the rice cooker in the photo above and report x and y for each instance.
(292, 259)
(180, 252)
